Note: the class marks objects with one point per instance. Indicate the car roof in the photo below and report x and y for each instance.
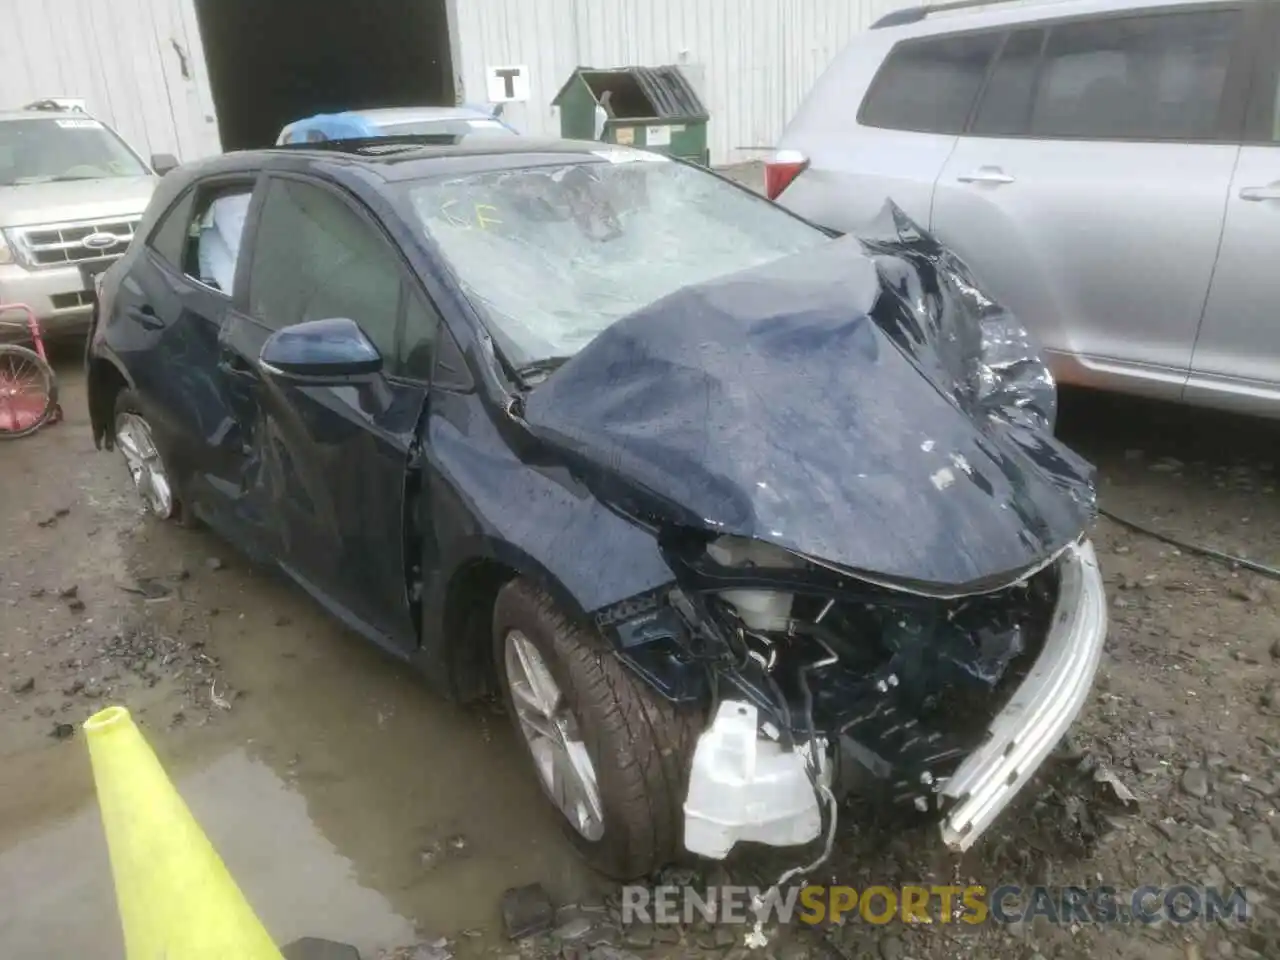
(396, 159)
(380, 116)
(388, 115)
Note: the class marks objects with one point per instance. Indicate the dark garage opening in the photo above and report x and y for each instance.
(275, 61)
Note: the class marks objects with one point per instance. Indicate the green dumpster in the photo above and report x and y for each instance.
(651, 107)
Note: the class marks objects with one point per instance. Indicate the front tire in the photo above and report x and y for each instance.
(611, 754)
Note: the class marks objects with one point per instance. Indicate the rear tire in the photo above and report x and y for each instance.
(639, 744)
(26, 382)
(153, 479)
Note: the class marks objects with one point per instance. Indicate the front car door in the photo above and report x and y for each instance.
(1088, 191)
(1237, 355)
(329, 463)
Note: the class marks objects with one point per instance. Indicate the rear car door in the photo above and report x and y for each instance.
(1088, 193)
(894, 143)
(328, 463)
(1237, 355)
(173, 301)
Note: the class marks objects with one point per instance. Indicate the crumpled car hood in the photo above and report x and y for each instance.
(863, 405)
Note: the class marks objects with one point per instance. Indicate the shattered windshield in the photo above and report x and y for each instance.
(62, 148)
(553, 255)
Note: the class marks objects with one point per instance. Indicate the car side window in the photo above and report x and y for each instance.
(929, 85)
(169, 239)
(200, 235)
(214, 239)
(1154, 77)
(316, 136)
(1275, 115)
(1274, 90)
(316, 258)
(417, 349)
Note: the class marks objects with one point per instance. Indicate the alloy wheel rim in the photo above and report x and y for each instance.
(150, 479)
(551, 733)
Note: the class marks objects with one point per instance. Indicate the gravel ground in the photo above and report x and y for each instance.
(99, 604)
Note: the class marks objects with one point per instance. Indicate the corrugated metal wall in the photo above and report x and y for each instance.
(752, 60)
(139, 64)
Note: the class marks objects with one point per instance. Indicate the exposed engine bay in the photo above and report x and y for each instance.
(869, 689)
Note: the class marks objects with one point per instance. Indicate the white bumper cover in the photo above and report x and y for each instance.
(1042, 708)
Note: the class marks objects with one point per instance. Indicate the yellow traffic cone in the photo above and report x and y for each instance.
(175, 896)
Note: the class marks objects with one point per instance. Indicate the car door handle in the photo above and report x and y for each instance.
(986, 175)
(145, 316)
(236, 365)
(1269, 192)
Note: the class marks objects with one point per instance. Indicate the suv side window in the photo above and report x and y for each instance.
(929, 85)
(1154, 77)
(1005, 110)
(316, 258)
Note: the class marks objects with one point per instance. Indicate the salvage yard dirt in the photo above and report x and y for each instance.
(350, 804)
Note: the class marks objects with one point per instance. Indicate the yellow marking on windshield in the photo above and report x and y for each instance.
(484, 221)
(481, 216)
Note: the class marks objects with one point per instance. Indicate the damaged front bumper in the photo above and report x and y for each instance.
(1042, 708)
(740, 774)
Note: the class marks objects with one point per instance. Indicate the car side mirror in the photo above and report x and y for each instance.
(162, 163)
(321, 351)
(498, 108)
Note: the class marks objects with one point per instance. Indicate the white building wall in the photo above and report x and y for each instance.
(138, 64)
(752, 60)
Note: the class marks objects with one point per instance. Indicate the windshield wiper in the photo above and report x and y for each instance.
(539, 370)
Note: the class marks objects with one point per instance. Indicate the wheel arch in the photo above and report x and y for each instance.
(457, 647)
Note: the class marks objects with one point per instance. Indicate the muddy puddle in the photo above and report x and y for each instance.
(347, 801)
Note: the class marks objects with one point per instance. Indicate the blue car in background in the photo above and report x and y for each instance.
(397, 121)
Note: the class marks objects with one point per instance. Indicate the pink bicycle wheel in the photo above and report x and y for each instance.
(28, 394)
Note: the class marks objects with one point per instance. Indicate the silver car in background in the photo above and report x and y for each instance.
(1109, 169)
(71, 193)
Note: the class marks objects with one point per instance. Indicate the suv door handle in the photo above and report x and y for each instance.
(1269, 192)
(986, 175)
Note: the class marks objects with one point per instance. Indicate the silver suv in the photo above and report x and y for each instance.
(1109, 169)
(71, 193)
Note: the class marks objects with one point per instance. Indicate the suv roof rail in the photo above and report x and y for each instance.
(61, 104)
(900, 18)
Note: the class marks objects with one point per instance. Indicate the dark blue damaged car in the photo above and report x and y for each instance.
(737, 515)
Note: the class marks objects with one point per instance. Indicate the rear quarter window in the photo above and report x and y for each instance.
(929, 85)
